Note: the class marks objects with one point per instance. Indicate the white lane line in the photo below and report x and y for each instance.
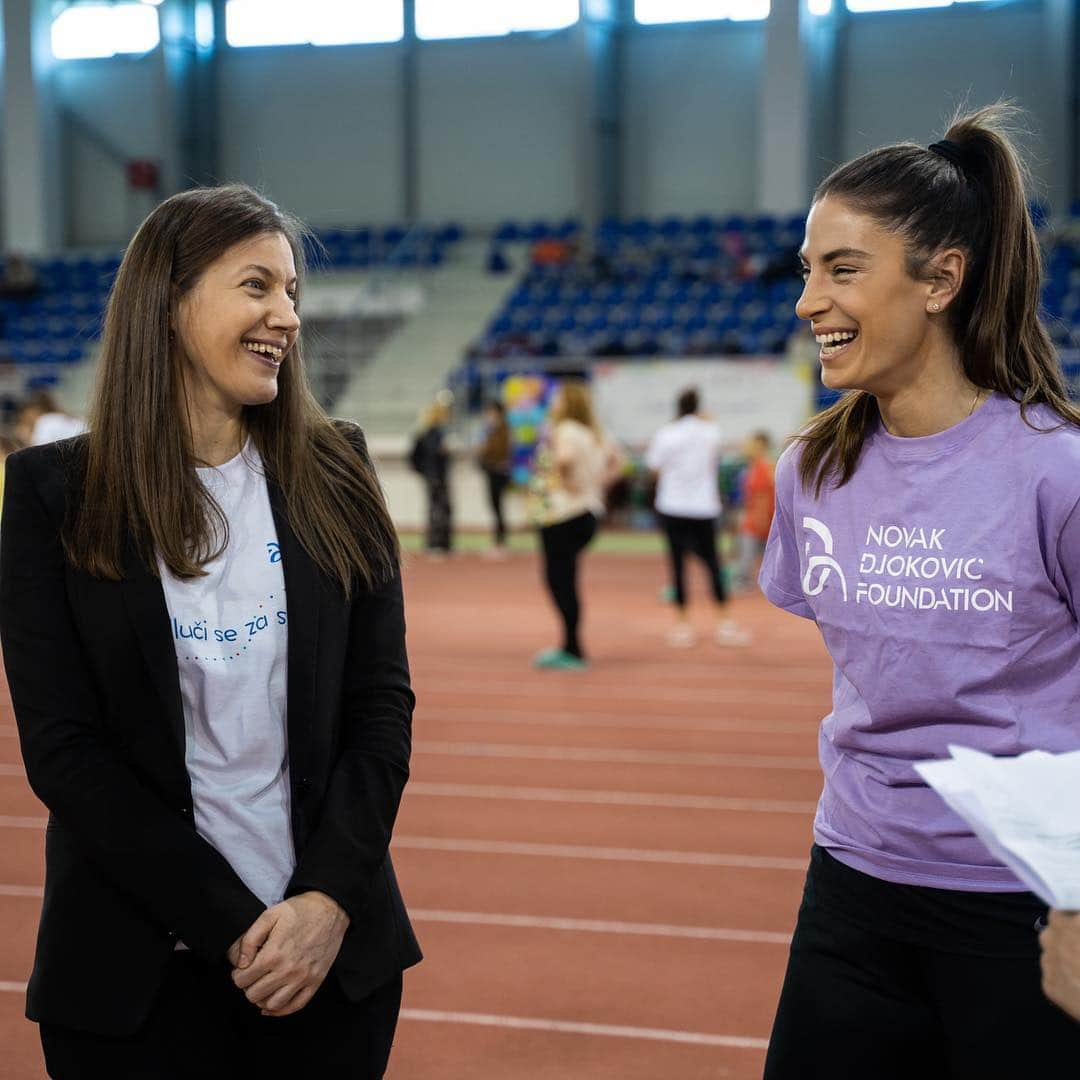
(614, 755)
(555, 717)
(475, 687)
(617, 1031)
(8, 821)
(12, 988)
(603, 854)
(613, 676)
(427, 789)
(544, 922)
(743, 673)
(599, 926)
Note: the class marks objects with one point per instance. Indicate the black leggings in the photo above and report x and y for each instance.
(696, 536)
(497, 485)
(563, 543)
(894, 982)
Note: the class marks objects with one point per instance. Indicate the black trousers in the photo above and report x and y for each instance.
(694, 536)
(440, 527)
(562, 545)
(498, 482)
(203, 1027)
(897, 982)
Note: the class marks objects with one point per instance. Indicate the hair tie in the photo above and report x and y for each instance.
(950, 151)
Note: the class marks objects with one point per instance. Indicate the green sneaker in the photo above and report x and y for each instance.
(558, 660)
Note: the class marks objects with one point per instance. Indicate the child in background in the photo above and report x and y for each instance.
(759, 495)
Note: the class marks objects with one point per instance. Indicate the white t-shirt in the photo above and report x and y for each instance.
(230, 631)
(686, 454)
(53, 426)
(585, 456)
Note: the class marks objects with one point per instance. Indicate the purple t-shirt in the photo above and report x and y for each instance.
(945, 580)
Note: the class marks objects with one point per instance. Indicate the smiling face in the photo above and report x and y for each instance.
(873, 321)
(236, 325)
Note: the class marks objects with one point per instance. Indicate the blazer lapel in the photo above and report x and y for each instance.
(302, 592)
(144, 599)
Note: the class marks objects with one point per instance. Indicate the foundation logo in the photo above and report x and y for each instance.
(823, 565)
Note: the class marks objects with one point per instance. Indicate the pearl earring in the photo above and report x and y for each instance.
(935, 307)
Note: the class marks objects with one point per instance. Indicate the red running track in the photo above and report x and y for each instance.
(603, 867)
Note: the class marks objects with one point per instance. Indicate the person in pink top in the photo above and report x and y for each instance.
(929, 523)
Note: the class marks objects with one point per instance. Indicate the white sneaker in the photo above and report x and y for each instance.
(729, 633)
(681, 636)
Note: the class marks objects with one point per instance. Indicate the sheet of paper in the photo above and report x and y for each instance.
(1025, 809)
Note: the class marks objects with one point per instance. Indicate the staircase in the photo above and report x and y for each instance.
(386, 395)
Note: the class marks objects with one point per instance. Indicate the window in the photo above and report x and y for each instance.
(899, 5)
(97, 30)
(670, 11)
(491, 18)
(312, 22)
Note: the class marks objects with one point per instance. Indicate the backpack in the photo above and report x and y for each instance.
(417, 456)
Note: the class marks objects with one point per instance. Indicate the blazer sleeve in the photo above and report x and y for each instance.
(143, 846)
(349, 844)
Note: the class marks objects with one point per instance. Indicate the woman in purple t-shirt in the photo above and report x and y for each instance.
(929, 523)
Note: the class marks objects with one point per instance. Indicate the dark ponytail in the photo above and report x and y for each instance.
(969, 192)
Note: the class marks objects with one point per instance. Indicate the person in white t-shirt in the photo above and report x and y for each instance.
(684, 455)
(204, 637)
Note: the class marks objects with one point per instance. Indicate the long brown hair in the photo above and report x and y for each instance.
(139, 457)
(576, 404)
(978, 203)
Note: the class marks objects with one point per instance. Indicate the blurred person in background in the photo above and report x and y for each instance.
(19, 278)
(684, 456)
(495, 460)
(203, 633)
(1060, 944)
(430, 458)
(574, 465)
(927, 523)
(759, 497)
(8, 446)
(41, 420)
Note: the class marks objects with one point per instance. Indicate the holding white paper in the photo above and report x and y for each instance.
(1025, 809)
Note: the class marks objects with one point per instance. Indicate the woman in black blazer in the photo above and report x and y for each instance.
(203, 631)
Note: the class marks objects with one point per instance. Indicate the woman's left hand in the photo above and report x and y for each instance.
(283, 958)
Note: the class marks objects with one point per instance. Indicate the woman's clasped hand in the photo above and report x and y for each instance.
(283, 959)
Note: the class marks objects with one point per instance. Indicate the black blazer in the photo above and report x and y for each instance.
(93, 677)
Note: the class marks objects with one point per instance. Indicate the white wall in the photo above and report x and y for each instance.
(123, 99)
(690, 112)
(905, 72)
(502, 123)
(498, 128)
(318, 129)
